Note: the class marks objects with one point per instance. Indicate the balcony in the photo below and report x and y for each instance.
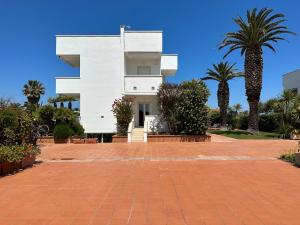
(169, 64)
(142, 84)
(68, 85)
(143, 41)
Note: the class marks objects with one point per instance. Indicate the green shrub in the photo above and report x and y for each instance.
(183, 107)
(15, 153)
(46, 116)
(62, 131)
(289, 156)
(78, 129)
(243, 119)
(168, 95)
(269, 122)
(192, 108)
(214, 116)
(122, 110)
(16, 125)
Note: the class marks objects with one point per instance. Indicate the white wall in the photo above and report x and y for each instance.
(292, 80)
(143, 41)
(67, 85)
(143, 84)
(169, 64)
(101, 78)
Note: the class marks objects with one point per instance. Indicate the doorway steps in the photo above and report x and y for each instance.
(137, 135)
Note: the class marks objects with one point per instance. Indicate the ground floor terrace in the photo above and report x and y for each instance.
(223, 182)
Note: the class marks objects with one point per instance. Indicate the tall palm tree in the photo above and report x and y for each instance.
(222, 73)
(33, 91)
(260, 29)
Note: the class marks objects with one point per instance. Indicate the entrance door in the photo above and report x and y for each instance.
(144, 110)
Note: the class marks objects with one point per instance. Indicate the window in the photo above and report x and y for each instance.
(144, 70)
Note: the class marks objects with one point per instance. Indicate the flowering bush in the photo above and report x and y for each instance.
(15, 153)
(122, 110)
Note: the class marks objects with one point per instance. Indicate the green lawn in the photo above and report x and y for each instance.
(242, 134)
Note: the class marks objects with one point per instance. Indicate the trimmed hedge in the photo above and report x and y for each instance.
(62, 131)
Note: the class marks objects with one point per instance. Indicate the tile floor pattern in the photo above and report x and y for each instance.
(162, 192)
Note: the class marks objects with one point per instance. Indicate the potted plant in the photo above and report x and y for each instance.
(62, 133)
(30, 153)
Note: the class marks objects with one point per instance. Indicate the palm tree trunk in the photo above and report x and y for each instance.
(253, 84)
(223, 101)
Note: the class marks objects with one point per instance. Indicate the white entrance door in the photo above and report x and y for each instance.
(144, 110)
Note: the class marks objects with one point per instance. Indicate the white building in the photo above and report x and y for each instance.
(291, 81)
(112, 66)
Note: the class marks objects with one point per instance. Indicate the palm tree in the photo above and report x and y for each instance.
(237, 107)
(33, 91)
(259, 30)
(222, 73)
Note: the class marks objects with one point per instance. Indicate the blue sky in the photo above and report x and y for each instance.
(193, 29)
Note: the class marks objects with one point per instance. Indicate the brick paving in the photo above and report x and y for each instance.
(229, 183)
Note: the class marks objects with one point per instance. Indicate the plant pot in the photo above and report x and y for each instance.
(61, 141)
(91, 141)
(28, 161)
(18, 165)
(8, 167)
(297, 159)
(119, 139)
(77, 141)
(295, 136)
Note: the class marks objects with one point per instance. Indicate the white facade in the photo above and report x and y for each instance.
(291, 81)
(112, 66)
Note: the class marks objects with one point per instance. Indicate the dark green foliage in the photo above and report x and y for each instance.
(269, 122)
(16, 125)
(77, 128)
(191, 107)
(46, 116)
(214, 117)
(62, 131)
(63, 115)
(122, 110)
(243, 120)
(168, 95)
(183, 107)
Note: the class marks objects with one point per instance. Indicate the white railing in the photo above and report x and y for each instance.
(130, 129)
(150, 125)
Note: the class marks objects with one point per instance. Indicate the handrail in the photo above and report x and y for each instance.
(130, 129)
(145, 130)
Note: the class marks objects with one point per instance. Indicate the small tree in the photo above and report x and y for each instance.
(191, 107)
(167, 97)
(122, 110)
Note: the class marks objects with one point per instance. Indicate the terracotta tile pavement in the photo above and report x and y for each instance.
(162, 192)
